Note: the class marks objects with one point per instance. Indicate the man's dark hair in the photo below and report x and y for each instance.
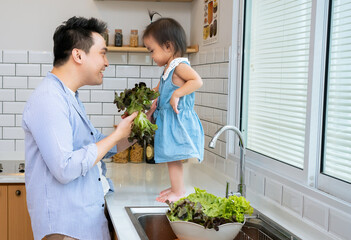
(76, 32)
(165, 30)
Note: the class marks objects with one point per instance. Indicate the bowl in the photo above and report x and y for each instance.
(192, 231)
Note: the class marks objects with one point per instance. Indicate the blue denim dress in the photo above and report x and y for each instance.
(179, 136)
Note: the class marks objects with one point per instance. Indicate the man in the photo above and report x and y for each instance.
(65, 197)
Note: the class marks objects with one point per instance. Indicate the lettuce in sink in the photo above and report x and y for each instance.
(209, 210)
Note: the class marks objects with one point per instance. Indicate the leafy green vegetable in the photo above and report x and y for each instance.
(208, 210)
(138, 99)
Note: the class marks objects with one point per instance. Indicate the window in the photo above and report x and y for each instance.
(276, 78)
(296, 90)
(337, 135)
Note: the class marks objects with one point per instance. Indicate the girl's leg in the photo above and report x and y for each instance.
(177, 191)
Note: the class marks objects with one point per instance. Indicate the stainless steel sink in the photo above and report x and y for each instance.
(151, 223)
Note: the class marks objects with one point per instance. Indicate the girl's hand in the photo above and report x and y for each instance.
(151, 110)
(174, 103)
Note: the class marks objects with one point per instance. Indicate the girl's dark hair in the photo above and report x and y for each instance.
(165, 30)
(76, 32)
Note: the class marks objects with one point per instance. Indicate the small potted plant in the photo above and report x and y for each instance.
(202, 215)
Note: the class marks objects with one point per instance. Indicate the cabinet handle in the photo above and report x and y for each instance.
(18, 192)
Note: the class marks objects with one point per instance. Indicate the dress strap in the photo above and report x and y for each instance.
(175, 62)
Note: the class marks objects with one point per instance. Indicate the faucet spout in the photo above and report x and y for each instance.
(212, 144)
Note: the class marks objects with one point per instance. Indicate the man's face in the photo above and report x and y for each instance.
(95, 61)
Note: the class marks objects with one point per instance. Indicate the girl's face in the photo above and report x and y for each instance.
(162, 55)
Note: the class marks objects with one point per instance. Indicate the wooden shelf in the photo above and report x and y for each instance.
(191, 49)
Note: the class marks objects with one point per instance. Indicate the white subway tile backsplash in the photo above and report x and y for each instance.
(256, 182)
(114, 83)
(1, 107)
(110, 71)
(102, 96)
(223, 70)
(13, 133)
(292, 200)
(0, 56)
(202, 57)
(13, 107)
(219, 54)
(7, 145)
(7, 69)
(217, 116)
(339, 223)
(18, 120)
(7, 120)
(33, 82)
(222, 102)
(227, 53)
(93, 87)
(133, 81)
(117, 58)
(210, 58)
(194, 59)
(84, 95)
(110, 109)
(45, 68)
(93, 108)
(139, 59)
(15, 82)
(231, 169)
(206, 71)
(127, 71)
(19, 144)
(102, 121)
(220, 164)
(273, 190)
(41, 57)
(22, 95)
(7, 94)
(15, 56)
(315, 211)
(28, 69)
(0, 82)
(107, 131)
(215, 70)
(151, 71)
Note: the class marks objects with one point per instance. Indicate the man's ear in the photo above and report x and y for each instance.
(77, 55)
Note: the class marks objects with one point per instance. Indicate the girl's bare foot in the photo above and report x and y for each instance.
(166, 191)
(171, 196)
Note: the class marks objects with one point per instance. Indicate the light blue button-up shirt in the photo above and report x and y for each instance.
(64, 190)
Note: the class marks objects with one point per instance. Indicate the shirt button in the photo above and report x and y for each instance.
(103, 205)
(99, 179)
(91, 133)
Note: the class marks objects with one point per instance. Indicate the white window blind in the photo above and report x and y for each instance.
(276, 61)
(337, 144)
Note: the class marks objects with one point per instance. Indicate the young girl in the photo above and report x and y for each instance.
(180, 134)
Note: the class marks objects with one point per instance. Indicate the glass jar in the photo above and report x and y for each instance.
(118, 38)
(133, 38)
(105, 36)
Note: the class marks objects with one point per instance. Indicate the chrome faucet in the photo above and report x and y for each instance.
(212, 144)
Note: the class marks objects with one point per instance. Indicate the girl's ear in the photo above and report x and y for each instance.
(169, 46)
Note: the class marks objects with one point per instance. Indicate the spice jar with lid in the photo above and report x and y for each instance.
(133, 38)
(118, 38)
(105, 35)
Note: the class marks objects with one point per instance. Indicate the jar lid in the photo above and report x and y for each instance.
(118, 30)
(134, 31)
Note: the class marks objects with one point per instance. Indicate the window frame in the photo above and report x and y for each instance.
(310, 175)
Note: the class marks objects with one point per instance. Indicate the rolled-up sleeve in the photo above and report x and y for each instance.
(50, 126)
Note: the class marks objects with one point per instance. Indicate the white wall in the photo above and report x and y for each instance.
(29, 25)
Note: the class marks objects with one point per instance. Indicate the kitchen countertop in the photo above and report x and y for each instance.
(12, 178)
(139, 185)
